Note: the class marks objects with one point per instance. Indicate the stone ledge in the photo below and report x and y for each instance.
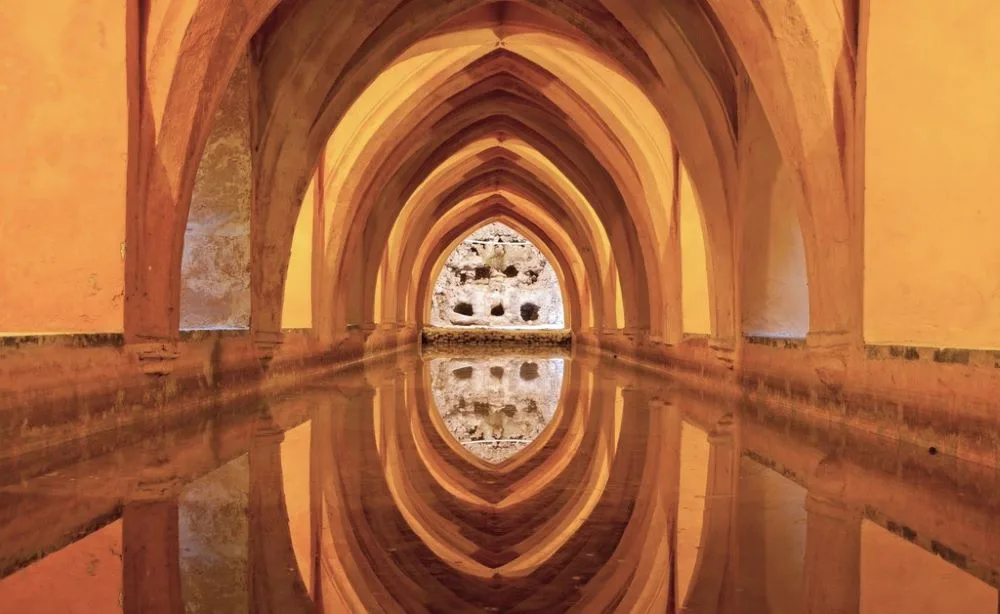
(913, 353)
(482, 336)
(952, 408)
(65, 399)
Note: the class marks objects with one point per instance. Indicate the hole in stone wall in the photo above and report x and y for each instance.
(529, 312)
(462, 278)
(497, 310)
(532, 276)
(528, 371)
(496, 372)
(465, 309)
(463, 373)
(483, 272)
(510, 271)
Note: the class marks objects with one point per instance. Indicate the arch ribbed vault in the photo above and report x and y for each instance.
(566, 523)
(571, 118)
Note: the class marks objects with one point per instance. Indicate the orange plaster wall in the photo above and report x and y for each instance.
(932, 257)
(694, 263)
(775, 290)
(63, 159)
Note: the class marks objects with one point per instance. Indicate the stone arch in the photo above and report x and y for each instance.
(582, 281)
(632, 48)
(405, 225)
(470, 160)
(574, 302)
(345, 222)
(472, 117)
(182, 54)
(813, 46)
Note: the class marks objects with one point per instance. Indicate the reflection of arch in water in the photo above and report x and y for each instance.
(487, 492)
(521, 286)
(490, 407)
(627, 509)
(547, 457)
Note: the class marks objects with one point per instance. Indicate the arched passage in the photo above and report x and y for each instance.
(311, 62)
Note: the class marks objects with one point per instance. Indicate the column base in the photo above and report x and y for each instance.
(156, 357)
(266, 344)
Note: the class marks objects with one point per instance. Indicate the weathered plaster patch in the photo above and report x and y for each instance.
(497, 278)
(215, 273)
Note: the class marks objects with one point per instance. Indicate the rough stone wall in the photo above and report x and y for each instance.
(497, 278)
(496, 407)
(215, 272)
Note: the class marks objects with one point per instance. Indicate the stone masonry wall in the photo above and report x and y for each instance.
(497, 278)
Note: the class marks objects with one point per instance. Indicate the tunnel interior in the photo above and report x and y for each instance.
(499, 305)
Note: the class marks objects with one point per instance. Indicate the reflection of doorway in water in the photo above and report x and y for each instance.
(496, 278)
(496, 407)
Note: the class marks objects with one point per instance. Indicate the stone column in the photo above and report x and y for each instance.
(151, 577)
(832, 574)
(354, 343)
(266, 345)
(587, 338)
(407, 334)
(724, 351)
(634, 341)
(612, 340)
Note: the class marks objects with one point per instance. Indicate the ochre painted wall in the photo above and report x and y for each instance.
(932, 254)
(775, 290)
(694, 263)
(297, 309)
(62, 166)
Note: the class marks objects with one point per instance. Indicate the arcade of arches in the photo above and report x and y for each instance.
(781, 203)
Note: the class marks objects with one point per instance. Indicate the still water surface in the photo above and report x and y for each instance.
(503, 482)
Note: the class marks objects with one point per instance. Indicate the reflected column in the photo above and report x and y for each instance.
(151, 572)
(275, 584)
(714, 581)
(832, 581)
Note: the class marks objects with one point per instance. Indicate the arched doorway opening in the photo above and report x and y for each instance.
(496, 278)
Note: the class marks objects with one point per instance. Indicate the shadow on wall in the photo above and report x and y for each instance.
(496, 278)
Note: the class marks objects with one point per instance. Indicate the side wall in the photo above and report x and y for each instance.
(64, 107)
(932, 258)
